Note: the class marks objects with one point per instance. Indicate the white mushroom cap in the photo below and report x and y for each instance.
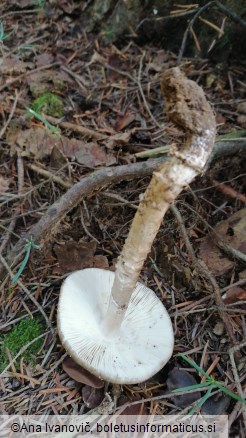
(132, 354)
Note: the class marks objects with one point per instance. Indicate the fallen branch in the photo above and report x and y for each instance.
(92, 183)
(99, 180)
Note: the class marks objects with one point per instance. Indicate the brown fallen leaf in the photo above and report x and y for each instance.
(92, 397)
(39, 142)
(90, 154)
(55, 81)
(234, 294)
(217, 262)
(231, 233)
(44, 59)
(57, 158)
(123, 121)
(100, 261)
(118, 140)
(12, 65)
(68, 7)
(75, 255)
(79, 374)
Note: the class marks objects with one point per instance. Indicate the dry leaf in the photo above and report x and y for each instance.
(123, 121)
(100, 261)
(96, 57)
(48, 81)
(234, 294)
(12, 65)
(57, 158)
(118, 140)
(44, 59)
(38, 143)
(75, 255)
(79, 374)
(231, 232)
(92, 397)
(217, 262)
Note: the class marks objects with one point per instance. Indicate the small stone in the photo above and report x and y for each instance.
(241, 121)
(241, 107)
(219, 328)
(15, 384)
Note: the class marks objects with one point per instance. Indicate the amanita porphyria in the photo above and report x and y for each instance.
(111, 325)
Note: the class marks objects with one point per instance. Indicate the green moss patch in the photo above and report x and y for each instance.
(21, 334)
(49, 104)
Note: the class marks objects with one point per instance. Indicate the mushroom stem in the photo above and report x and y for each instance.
(187, 106)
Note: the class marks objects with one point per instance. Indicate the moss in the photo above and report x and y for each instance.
(50, 104)
(20, 335)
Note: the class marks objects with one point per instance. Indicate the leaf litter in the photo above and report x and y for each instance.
(100, 90)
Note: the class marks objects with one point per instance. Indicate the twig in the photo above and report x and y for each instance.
(235, 373)
(167, 17)
(237, 283)
(17, 95)
(119, 198)
(28, 73)
(77, 78)
(77, 128)
(230, 14)
(229, 191)
(121, 72)
(92, 183)
(22, 350)
(88, 185)
(235, 253)
(204, 270)
(30, 296)
(85, 227)
(189, 27)
(11, 228)
(23, 11)
(55, 366)
(49, 175)
(142, 93)
(138, 82)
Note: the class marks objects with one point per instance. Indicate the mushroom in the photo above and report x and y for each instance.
(109, 323)
(129, 352)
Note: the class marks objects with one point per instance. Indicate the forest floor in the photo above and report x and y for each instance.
(104, 108)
